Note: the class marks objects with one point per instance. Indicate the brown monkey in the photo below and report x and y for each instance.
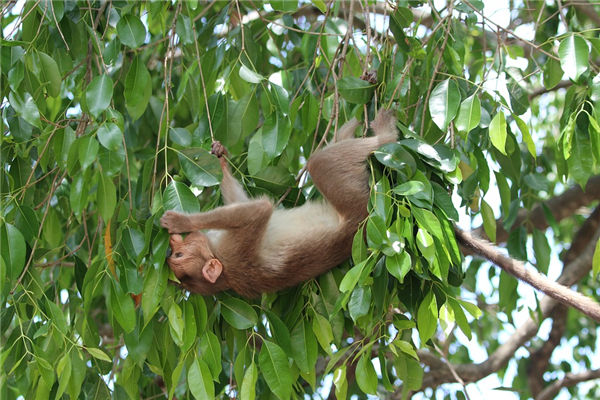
(252, 247)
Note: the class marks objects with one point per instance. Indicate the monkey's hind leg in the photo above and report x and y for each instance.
(339, 170)
(347, 130)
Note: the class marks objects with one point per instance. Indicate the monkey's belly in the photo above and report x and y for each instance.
(292, 227)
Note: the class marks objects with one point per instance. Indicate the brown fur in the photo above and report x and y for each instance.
(263, 249)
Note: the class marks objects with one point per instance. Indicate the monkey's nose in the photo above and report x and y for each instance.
(169, 251)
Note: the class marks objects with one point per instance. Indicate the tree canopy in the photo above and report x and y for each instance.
(109, 109)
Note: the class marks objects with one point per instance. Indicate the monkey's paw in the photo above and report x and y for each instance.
(175, 222)
(384, 122)
(218, 149)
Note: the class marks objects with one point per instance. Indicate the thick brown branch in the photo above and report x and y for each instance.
(569, 380)
(583, 236)
(560, 85)
(539, 359)
(516, 268)
(439, 373)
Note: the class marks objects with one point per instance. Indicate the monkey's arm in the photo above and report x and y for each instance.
(247, 215)
(231, 189)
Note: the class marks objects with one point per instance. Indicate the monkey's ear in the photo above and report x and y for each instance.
(212, 270)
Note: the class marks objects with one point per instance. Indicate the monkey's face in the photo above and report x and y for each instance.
(189, 260)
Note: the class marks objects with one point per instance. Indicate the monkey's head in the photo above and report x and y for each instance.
(194, 264)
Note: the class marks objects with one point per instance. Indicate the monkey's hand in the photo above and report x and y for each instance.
(176, 222)
(218, 149)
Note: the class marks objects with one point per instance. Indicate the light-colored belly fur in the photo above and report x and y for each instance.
(288, 226)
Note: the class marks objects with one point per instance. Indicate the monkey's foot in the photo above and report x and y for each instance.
(218, 149)
(347, 130)
(175, 222)
(384, 121)
(384, 126)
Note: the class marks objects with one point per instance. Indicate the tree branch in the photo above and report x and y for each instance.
(439, 372)
(539, 359)
(570, 379)
(539, 281)
(540, 91)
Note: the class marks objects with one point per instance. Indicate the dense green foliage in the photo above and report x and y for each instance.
(109, 110)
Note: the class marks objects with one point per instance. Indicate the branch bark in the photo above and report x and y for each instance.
(539, 359)
(439, 373)
(570, 379)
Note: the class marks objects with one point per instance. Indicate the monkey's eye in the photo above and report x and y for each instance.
(178, 254)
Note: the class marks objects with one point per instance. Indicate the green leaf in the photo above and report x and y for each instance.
(398, 265)
(340, 382)
(200, 381)
(552, 73)
(469, 114)
(279, 331)
(250, 76)
(275, 134)
(57, 317)
(409, 188)
(238, 313)
(489, 221)
(304, 347)
(155, 284)
(138, 89)
(133, 242)
(429, 221)
(275, 367)
(355, 90)
(444, 102)
(526, 135)
(365, 374)
(542, 250)
(351, 278)
(359, 303)
(121, 305)
(25, 107)
(107, 197)
(322, 329)
(200, 167)
(88, 151)
(176, 323)
(596, 260)
(573, 52)
(99, 94)
(427, 316)
(99, 354)
(248, 389)
(50, 74)
(284, 5)
(460, 318)
(210, 351)
(131, 31)
(110, 136)
(471, 308)
(498, 132)
(179, 197)
(12, 249)
(581, 162)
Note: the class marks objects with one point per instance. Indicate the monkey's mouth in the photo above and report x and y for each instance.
(169, 252)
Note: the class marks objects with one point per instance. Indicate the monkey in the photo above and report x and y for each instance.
(251, 247)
